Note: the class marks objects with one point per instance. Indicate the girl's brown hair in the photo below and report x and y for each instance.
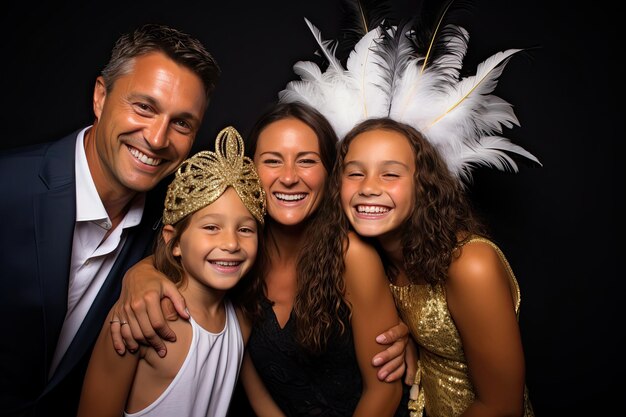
(442, 218)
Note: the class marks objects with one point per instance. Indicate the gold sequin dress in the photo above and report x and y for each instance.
(445, 389)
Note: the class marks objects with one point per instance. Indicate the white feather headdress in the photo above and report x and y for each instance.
(385, 76)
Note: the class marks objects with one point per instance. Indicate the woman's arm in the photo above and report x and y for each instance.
(146, 303)
(373, 310)
(259, 398)
(108, 379)
(481, 305)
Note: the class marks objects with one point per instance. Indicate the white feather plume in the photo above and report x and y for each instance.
(386, 77)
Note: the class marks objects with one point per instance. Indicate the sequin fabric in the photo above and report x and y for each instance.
(203, 178)
(443, 387)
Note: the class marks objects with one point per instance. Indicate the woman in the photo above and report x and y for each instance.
(313, 345)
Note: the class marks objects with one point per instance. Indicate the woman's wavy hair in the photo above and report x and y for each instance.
(442, 218)
(320, 300)
(244, 294)
(319, 296)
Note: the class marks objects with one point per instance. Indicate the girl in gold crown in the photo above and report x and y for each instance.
(212, 219)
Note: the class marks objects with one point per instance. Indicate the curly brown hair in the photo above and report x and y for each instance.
(442, 219)
(320, 300)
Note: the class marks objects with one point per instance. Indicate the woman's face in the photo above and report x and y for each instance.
(377, 183)
(290, 167)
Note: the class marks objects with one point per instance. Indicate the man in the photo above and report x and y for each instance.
(80, 211)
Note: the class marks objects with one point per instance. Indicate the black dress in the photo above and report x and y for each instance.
(302, 384)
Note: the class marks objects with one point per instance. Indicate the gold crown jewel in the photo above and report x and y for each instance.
(203, 178)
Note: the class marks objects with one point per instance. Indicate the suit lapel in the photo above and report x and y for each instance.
(108, 294)
(136, 247)
(54, 214)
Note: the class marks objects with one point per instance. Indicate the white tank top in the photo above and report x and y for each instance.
(205, 382)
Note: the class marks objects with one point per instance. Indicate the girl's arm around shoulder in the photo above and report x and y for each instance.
(373, 312)
(480, 302)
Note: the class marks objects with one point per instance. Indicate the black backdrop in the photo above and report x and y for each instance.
(557, 223)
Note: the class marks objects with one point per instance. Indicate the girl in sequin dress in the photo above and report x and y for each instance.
(453, 286)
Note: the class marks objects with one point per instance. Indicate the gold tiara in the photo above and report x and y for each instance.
(203, 178)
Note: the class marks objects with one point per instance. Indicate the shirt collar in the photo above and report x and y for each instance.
(89, 207)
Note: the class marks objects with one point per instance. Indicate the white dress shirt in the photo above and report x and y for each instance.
(93, 256)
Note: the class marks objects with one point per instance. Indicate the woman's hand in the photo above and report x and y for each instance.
(392, 360)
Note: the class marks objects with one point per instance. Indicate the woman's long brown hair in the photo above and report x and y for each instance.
(319, 299)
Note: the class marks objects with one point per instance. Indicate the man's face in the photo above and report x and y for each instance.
(145, 125)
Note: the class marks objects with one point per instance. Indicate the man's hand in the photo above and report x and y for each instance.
(147, 301)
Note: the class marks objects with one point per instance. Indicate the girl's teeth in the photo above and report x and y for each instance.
(372, 209)
(223, 263)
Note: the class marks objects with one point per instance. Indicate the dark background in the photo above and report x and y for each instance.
(558, 224)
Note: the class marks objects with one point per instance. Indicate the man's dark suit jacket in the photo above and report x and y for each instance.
(37, 215)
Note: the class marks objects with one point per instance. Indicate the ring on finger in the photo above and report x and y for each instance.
(123, 323)
(114, 321)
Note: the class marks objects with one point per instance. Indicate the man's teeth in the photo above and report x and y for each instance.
(144, 158)
(289, 197)
(372, 209)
